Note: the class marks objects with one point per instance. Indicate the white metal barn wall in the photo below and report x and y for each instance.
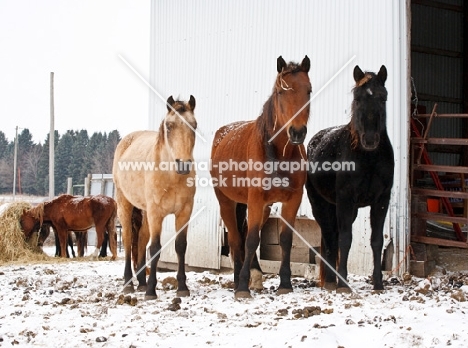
(224, 53)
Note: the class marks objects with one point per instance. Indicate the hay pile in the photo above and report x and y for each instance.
(13, 247)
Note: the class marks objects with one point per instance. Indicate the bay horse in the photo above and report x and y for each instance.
(153, 193)
(336, 196)
(74, 213)
(275, 137)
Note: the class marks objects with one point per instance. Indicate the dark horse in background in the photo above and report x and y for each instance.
(44, 232)
(276, 136)
(74, 213)
(81, 241)
(336, 196)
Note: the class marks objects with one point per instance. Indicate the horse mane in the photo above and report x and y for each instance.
(354, 135)
(37, 212)
(266, 122)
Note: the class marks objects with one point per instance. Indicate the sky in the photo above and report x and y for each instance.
(80, 41)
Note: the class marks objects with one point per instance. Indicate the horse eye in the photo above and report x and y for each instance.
(169, 127)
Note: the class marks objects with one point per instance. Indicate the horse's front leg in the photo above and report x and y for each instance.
(252, 240)
(63, 238)
(288, 214)
(378, 213)
(181, 225)
(346, 214)
(155, 226)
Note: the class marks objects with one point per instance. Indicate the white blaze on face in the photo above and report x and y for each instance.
(369, 91)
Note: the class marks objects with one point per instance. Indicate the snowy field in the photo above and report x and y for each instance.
(79, 303)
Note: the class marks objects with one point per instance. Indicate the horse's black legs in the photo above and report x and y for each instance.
(346, 214)
(105, 242)
(70, 244)
(378, 214)
(155, 252)
(227, 209)
(251, 244)
(182, 219)
(155, 226)
(325, 215)
(125, 217)
(288, 213)
(256, 273)
(181, 247)
(285, 268)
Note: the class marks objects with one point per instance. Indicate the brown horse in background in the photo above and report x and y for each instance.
(276, 137)
(74, 213)
(156, 192)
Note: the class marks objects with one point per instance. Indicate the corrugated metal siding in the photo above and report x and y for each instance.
(224, 53)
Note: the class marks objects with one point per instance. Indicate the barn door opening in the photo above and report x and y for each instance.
(439, 75)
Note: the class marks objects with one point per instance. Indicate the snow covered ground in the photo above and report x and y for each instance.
(79, 303)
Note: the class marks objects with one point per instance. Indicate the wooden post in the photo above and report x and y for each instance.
(87, 185)
(52, 141)
(69, 186)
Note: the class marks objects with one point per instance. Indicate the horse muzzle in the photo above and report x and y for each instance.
(297, 136)
(369, 142)
(183, 167)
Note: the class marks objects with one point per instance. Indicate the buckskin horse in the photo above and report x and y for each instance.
(74, 213)
(336, 196)
(153, 194)
(276, 136)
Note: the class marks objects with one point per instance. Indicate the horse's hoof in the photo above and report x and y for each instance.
(256, 279)
(128, 289)
(141, 288)
(343, 290)
(283, 291)
(242, 294)
(150, 297)
(113, 258)
(330, 286)
(183, 293)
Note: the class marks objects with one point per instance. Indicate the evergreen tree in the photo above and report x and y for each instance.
(42, 183)
(63, 158)
(6, 165)
(112, 142)
(79, 168)
(25, 177)
(3, 145)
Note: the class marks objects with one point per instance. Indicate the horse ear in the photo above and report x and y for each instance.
(170, 102)
(305, 65)
(358, 74)
(280, 64)
(382, 75)
(192, 102)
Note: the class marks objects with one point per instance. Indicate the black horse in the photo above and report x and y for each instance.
(81, 241)
(336, 195)
(44, 232)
